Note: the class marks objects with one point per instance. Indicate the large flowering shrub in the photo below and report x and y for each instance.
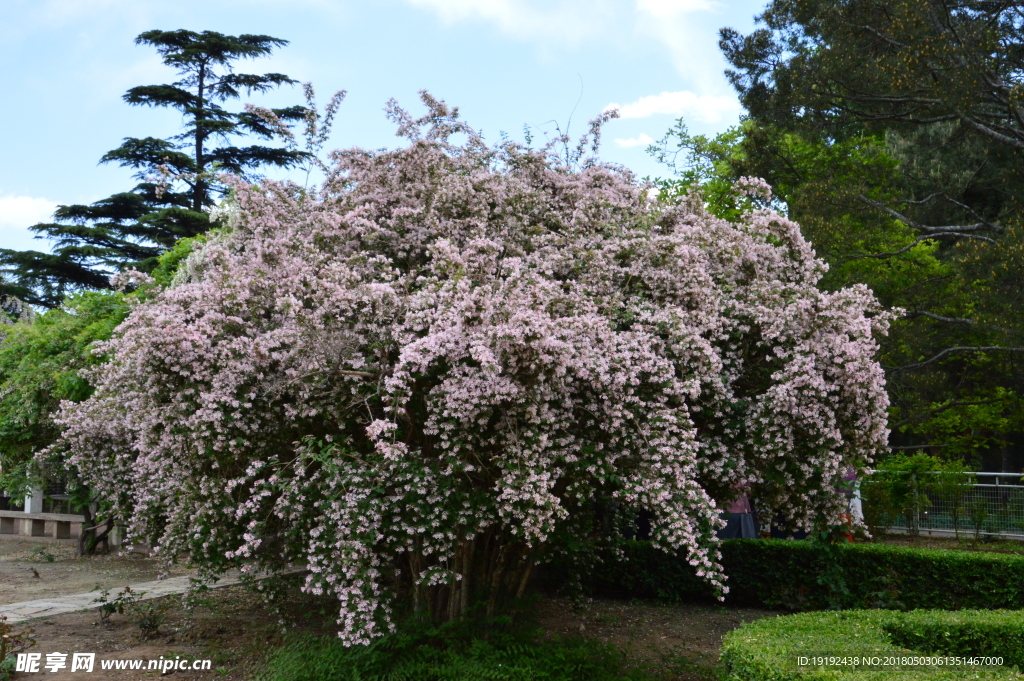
(441, 366)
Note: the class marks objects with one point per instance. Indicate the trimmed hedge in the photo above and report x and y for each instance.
(802, 575)
(769, 649)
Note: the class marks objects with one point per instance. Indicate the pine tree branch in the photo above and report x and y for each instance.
(926, 237)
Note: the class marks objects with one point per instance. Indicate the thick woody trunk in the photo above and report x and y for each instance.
(494, 574)
(93, 534)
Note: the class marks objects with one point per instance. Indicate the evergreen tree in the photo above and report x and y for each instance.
(893, 133)
(176, 174)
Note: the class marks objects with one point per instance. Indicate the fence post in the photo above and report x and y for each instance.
(915, 522)
(998, 505)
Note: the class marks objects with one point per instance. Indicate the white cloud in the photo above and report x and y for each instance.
(688, 31)
(670, 8)
(702, 108)
(17, 212)
(643, 139)
(565, 21)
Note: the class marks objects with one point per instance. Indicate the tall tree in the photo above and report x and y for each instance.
(176, 174)
(909, 61)
(893, 131)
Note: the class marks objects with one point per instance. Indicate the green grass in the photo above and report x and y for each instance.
(769, 649)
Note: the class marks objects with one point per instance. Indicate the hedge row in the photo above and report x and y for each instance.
(875, 644)
(803, 575)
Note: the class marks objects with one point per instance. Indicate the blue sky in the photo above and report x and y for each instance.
(504, 63)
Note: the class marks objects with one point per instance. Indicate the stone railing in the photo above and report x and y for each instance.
(19, 525)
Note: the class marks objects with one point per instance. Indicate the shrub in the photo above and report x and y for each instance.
(148, 614)
(906, 485)
(457, 651)
(450, 361)
(42, 362)
(769, 649)
(14, 639)
(784, 574)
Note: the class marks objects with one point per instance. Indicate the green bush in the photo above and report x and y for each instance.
(906, 485)
(769, 649)
(457, 651)
(802, 575)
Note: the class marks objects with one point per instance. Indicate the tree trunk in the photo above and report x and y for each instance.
(88, 531)
(199, 199)
(90, 537)
(493, 571)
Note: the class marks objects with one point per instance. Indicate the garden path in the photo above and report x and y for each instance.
(58, 605)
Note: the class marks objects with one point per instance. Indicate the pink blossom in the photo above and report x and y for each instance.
(450, 346)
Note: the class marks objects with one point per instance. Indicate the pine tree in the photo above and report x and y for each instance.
(176, 175)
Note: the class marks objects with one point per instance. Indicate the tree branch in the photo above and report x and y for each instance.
(978, 348)
(925, 200)
(989, 132)
(360, 374)
(952, 320)
(881, 36)
(926, 237)
(936, 410)
(983, 225)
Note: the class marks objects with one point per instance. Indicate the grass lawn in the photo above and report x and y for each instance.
(967, 542)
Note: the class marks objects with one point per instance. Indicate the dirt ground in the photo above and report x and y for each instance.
(62, 573)
(234, 630)
(683, 639)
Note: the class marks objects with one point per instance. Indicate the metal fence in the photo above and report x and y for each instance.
(945, 504)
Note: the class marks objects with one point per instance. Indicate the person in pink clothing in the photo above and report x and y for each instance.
(739, 516)
(740, 504)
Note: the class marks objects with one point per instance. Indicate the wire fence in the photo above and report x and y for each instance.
(945, 503)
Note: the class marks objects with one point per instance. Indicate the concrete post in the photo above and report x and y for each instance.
(34, 500)
(856, 503)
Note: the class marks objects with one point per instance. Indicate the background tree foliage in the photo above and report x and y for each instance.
(42, 355)
(177, 174)
(892, 132)
(39, 364)
(42, 358)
